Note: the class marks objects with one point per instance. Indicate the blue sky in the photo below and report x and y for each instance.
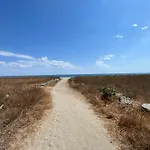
(74, 36)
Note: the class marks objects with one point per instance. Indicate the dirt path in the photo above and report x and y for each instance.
(71, 125)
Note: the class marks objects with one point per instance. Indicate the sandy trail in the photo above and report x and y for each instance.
(70, 126)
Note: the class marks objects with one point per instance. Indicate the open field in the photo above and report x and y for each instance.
(22, 102)
(128, 124)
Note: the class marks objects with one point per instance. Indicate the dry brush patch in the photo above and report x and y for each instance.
(22, 103)
(128, 124)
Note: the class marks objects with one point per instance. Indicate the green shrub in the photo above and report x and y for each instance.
(107, 93)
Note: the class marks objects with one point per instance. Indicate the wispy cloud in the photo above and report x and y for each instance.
(38, 62)
(134, 25)
(10, 54)
(30, 61)
(102, 62)
(107, 57)
(99, 62)
(144, 28)
(119, 36)
(17, 65)
(2, 62)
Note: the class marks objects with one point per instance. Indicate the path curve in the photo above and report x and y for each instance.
(71, 125)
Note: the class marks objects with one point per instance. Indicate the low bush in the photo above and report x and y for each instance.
(108, 93)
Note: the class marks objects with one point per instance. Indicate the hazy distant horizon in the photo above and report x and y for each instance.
(73, 75)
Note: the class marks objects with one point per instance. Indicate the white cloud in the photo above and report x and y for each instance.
(101, 62)
(10, 54)
(43, 58)
(144, 28)
(18, 65)
(30, 61)
(119, 36)
(134, 25)
(2, 62)
(39, 63)
(61, 64)
(107, 57)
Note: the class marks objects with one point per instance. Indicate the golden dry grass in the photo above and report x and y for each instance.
(129, 125)
(25, 105)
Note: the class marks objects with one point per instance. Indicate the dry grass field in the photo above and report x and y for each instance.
(22, 103)
(127, 124)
